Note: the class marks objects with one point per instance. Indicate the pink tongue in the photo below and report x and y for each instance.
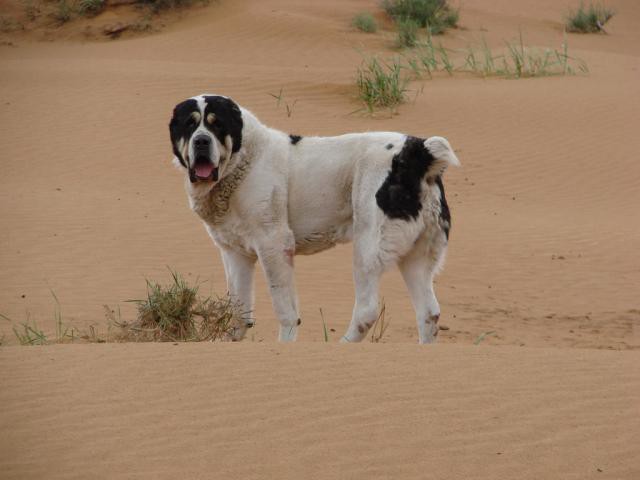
(204, 171)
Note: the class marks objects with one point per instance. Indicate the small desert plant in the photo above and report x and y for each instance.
(9, 24)
(90, 7)
(280, 98)
(365, 22)
(381, 85)
(589, 19)
(482, 336)
(31, 9)
(28, 332)
(516, 61)
(63, 11)
(435, 15)
(175, 312)
(407, 32)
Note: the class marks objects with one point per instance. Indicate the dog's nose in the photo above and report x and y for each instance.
(202, 142)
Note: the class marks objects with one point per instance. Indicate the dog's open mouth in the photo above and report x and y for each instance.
(204, 169)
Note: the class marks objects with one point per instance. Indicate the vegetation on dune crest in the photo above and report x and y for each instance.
(384, 85)
(173, 312)
(589, 19)
(176, 312)
(434, 15)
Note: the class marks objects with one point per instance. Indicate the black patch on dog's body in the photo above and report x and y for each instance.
(183, 125)
(295, 139)
(445, 214)
(389, 146)
(399, 195)
(228, 120)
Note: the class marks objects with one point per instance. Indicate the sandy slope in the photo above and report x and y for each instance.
(91, 205)
(257, 411)
(543, 252)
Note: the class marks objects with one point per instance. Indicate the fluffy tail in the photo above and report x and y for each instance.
(442, 154)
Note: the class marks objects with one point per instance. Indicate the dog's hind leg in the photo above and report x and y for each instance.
(239, 270)
(367, 270)
(418, 268)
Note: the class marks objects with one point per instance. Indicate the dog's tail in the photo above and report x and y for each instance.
(442, 154)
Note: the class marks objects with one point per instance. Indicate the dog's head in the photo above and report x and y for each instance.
(205, 132)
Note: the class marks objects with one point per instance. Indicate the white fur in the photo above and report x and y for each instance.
(275, 199)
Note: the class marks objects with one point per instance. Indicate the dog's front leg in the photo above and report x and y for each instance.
(239, 270)
(276, 257)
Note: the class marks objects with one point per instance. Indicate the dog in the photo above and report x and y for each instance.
(267, 196)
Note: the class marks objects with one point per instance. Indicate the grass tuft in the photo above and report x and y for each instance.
(63, 11)
(589, 19)
(407, 33)
(90, 7)
(176, 313)
(381, 85)
(434, 15)
(365, 22)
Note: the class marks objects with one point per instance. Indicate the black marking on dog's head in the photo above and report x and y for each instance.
(182, 126)
(295, 139)
(399, 195)
(445, 214)
(228, 120)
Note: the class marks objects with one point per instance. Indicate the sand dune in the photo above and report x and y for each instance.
(318, 411)
(543, 252)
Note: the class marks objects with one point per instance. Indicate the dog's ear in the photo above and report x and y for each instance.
(182, 126)
(175, 138)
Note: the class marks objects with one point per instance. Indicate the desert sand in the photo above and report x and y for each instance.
(543, 252)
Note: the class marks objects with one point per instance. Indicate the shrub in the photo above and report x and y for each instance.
(63, 11)
(90, 7)
(435, 15)
(365, 22)
(588, 19)
(175, 312)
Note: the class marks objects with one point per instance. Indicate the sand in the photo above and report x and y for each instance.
(543, 253)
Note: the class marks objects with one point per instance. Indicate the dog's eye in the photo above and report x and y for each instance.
(193, 119)
(211, 118)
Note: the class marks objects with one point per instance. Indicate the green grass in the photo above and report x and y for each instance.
(407, 33)
(515, 61)
(589, 19)
(28, 332)
(381, 84)
(482, 336)
(434, 15)
(365, 22)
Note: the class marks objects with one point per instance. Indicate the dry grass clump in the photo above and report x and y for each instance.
(169, 313)
(589, 19)
(176, 313)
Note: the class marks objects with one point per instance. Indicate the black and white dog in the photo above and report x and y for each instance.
(265, 195)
